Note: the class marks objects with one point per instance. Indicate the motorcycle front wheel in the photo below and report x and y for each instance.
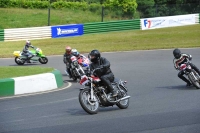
(43, 60)
(73, 76)
(90, 106)
(192, 79)
(18, 61)
(124, 103)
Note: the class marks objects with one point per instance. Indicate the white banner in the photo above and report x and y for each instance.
(170, 21)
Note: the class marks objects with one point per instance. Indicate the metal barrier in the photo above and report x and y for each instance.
(27, 33)
(99, 27)
(1, 35)
(88, 28)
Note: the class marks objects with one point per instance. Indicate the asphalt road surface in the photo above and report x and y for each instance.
(160, 102)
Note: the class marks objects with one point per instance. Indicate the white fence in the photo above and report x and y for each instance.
(27, 33)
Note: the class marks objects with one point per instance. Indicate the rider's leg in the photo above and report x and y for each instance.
(107, 79)
(180, 75)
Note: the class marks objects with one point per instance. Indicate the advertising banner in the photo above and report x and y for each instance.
(67, 30)
(170, 21)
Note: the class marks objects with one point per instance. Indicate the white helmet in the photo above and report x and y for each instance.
(28, 42)
(75, 52)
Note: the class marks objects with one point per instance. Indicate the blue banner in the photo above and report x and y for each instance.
(67, 30)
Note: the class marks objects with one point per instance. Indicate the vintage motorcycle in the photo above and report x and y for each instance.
(193, 76)
(84, 62)
(20, 58)
(76, 69)
(95, 94)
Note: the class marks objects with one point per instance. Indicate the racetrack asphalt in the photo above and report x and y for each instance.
(160, 102)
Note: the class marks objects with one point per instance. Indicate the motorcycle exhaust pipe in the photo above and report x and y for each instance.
(124, 98)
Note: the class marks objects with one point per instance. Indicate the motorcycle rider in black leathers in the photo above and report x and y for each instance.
(103, 72)
(67, 59)
(26, 51)
(181, 58)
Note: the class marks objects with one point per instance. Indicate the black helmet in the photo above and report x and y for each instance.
(96, 55)
(177, 53)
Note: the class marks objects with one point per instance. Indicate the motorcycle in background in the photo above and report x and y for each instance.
(21, 58)
(76, 69)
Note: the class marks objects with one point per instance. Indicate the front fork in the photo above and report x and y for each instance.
(92, 91)
(194, 77)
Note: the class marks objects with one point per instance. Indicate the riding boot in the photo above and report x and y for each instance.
(114, 92)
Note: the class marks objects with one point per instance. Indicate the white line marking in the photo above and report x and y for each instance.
(24, 95)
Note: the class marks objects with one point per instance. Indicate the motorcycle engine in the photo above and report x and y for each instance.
(110, 98)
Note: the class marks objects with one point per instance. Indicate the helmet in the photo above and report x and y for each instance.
(28, 42)
(75, 52)
(177, 53)
(68, 50)
(96, 55)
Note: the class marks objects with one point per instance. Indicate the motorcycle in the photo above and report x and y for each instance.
(76, 69)
(94, 94)
(21, 58)
(193, 76)
(84, 62)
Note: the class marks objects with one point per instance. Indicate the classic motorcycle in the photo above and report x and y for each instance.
(84, 62)
(21, 58)
(193, 76)
(76, 69)
(95, 94)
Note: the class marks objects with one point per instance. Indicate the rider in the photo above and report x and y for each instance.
(26, 51)
(104, 72)
(67, 59)
(181, 58)
(79, 56)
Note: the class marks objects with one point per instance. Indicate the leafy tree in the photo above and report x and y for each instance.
(146, 8)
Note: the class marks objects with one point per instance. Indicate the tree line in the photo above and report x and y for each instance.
(127, 9)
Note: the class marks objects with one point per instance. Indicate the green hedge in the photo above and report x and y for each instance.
(125, 7)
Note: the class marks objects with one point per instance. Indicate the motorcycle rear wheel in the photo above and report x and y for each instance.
(124, 103)
(91, 107)
(19, 62)
(195, 83)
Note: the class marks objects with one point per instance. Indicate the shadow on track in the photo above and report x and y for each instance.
(179, 87)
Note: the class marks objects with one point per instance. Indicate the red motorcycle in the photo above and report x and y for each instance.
(193, 76)
(95, 94)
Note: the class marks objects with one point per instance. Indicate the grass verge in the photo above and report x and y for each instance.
(21, 18)
(165, 38)
(13, 71)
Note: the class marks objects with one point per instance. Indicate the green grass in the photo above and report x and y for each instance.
(182, 37)
(13, 71)
(20, 18)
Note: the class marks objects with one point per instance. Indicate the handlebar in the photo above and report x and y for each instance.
(92, 72)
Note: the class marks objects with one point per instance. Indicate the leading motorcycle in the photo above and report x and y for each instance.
(192, 75)
(95, 94)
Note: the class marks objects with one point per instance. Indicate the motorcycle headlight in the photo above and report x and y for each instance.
(75, 63)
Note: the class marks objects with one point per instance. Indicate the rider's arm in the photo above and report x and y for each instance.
(32, 46)
(105, 62)
(175, 64)
(64, 59)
